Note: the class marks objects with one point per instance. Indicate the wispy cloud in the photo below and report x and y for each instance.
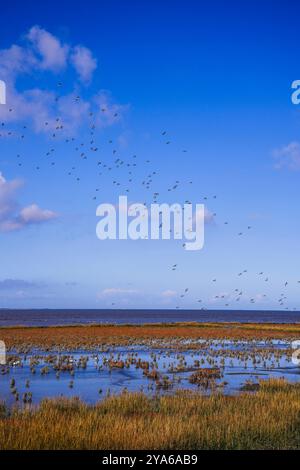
(16, 284)
(288, 156)
(169, 294)
(208, 216)
(115, 291)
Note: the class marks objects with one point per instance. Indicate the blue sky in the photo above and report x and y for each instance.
(217, 78)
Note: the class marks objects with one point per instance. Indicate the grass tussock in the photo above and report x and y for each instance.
(268, 419)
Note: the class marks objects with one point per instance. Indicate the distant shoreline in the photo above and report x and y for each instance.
(70, 309)
(67, 317)
(162, 324)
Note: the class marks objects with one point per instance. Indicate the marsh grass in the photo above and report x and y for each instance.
(90, 336)
(267, 419)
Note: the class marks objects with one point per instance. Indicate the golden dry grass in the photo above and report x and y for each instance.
(268, 419)
(93, 335)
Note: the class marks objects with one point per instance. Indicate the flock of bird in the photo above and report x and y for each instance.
(121, 172)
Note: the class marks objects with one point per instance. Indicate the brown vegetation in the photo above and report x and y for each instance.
(268, 419)
(88, 336)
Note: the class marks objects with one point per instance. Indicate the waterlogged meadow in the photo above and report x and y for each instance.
(152, 365)
(160, 386)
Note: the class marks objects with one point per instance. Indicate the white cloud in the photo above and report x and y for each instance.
(114, 291)
(167, 297)
(7, 196)
(41, 52)
(53, 53)
(83, 62)
(167, 294)
(14, 61)
(288, 156)
(208, 216)
(108, 112)
(13, 218)
(34, 214)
